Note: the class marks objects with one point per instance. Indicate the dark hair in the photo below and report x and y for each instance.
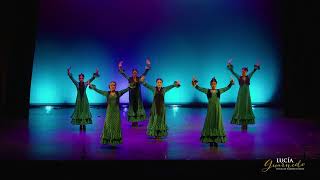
(213, 80)
(245, 69)
(134, 69)
(81, 75)
(159, 79)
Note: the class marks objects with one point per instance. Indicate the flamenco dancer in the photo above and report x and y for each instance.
(112, 127)
(213, 130)
(243, 114)
(157, 126)
(136, 112)
(82, 115)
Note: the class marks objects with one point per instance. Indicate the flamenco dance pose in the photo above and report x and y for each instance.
(157, 126)
(243, 114)
(136, 111)
(82, 115)
(213, 130)
(112, 127)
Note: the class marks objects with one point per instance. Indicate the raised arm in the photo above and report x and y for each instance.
(121, 71)
(123, 91)
(145, 72)
(256, 67)
(104, 93)
(175, 84)
(148, 86)
(222, 90)
(95, 75)
(230, 67)
(148, 67)
(72, 79)
(201, 89)
(194, 83)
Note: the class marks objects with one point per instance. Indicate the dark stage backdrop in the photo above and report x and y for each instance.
(17, 34)
(301, 35)
(182, 37)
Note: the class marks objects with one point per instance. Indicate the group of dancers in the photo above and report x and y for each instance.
(213, 130)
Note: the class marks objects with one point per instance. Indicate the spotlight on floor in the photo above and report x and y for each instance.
(175, 108)
(48, 109)
(125, 107)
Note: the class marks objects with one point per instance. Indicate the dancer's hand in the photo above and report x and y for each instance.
(69, 70)
(231, 81)
(97, 71)
(148, 62)
(194, 81)
(89, 84)
(257, 65)
(142, 78)
(120, 64)
(229, 64)
(178, 83)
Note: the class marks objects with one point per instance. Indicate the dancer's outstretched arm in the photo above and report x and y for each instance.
(222, 90)
(230, 67)
(145, 84)
(256, 67)
(104, 93)
(71, 77)
(148, 67)
(95, 75)
(168, 88)
(201, 89)
(121, 71)
(195, 84)
(123, 91)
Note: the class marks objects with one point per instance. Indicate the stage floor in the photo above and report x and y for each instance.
(49, 135)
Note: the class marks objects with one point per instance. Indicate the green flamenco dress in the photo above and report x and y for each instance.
(136, 112)
(243, 113)
(81, 114)
(157, 126)
(213, 130)
(112, 126)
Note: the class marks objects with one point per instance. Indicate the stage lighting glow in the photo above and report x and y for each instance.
(48, 109)
(253, 106)
(175, 108)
